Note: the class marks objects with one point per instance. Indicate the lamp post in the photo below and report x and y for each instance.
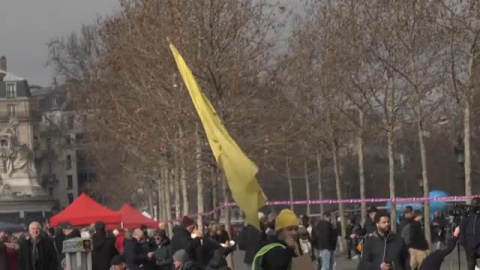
(420, 182)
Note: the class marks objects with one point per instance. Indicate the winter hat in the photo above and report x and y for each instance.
(99, 226)
(187, 222)
(286, 219)
(181, 256)
(118, 259)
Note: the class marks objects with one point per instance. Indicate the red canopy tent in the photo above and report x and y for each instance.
(85, 211)
(132, 218)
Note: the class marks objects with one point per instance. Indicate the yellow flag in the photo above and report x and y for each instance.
(238, 168)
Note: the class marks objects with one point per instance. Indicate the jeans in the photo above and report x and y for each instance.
(328, 259)
(248, 267)
(471, 262)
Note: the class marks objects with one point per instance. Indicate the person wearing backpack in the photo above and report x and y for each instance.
(278, 253)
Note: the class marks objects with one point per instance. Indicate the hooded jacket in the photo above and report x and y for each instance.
(103, 251)
(378, 249)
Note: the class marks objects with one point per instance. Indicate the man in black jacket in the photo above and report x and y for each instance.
(384, 250)
(418, 247)
(135, 255)
(470, 234)
(37, 252)
(182, 239)
(103, 248)
(251, 240)
(324, 239)
(279, 251)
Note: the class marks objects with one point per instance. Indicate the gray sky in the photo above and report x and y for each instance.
(27, 25)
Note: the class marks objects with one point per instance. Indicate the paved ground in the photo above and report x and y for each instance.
(450, 263)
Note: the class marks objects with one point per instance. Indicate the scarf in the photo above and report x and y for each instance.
(35, 255)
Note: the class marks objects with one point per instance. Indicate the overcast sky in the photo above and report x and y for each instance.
(27, 25)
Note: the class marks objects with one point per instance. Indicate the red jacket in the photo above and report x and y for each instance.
(12, 257)
(119, 242)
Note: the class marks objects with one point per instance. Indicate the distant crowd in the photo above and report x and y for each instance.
(279, 242)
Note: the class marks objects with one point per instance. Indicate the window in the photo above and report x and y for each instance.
(12, 110)
(54, 101)
(70, 198)
(69, 162)
(11, 90)
(50, 191)
(50, 167)
(68, 140)
(69, 181)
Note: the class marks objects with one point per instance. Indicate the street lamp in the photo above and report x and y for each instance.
(420, 181)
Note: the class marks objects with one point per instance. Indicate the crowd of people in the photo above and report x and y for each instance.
(278, 241)
(274, 245)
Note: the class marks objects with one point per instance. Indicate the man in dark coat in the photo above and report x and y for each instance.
(58, 239)
(325, 241)
(70, 232)
(103, 248)
(470, 234)
(182, 239)
(384, 249)
(163, 254)
(135, 255)
(37, 252)
(251, 240)
(369, 226)
(279, 251)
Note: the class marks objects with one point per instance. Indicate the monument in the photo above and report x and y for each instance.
(21, 195)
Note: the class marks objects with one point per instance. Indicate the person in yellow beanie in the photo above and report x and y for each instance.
(278, 253)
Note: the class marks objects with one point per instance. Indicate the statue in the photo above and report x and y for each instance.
(16, 160)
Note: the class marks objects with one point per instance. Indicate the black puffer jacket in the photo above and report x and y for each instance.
(103, 251)
(470, 234)
(182, 239)
(378, 249)
(417, 236)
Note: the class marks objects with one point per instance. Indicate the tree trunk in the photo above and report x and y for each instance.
(150, 202)
(307, 180)
(289, 178)
(168, 204)
(161, 199)
(467, 149)
(198, 161)
(227, 214)
(338, 186)
(176, 185)
(183, 174)
(361, 167)
(426, 190)
(391, 180)
(214, 176)
(320, 186)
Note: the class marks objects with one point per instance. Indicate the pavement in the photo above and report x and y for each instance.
(450, 263)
